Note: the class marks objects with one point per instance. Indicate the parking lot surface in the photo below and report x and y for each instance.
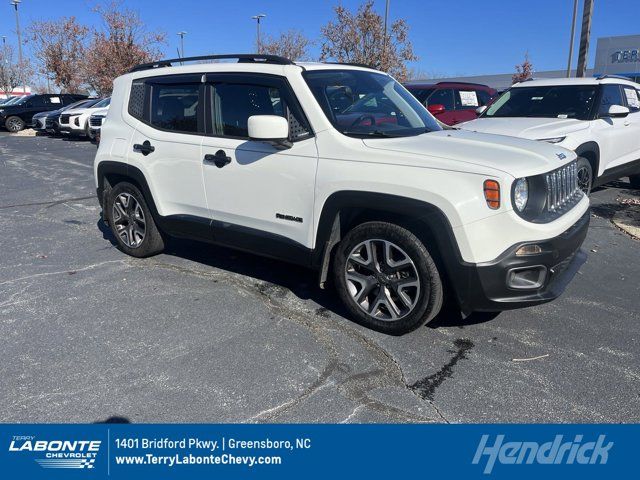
(205, 334)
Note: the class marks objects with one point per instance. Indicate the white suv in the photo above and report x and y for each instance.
(339, 168)
(598, 118)
(76, 122)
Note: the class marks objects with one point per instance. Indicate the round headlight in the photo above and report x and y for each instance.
(521, 194)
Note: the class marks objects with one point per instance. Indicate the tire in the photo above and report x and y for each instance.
(635, 181)
(14, 124)
(585, 175)
(395, 295)
(131, 221)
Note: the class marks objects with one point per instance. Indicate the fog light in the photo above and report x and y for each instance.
(527, 278)
(532, 249)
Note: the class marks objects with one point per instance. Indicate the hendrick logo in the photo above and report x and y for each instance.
(58, 453)
(555, 452)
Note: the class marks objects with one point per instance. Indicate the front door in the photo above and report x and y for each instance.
(260, 195)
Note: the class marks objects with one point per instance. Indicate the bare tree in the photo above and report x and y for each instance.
(121, 44)
(9, 70)
(59, 47)
(524, 71)
(360, 38)
(291, 44)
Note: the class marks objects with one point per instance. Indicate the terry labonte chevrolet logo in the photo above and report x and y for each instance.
(57, 453)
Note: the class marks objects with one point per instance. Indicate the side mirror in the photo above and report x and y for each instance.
(436, 109)
(269, 128)
(481, 110)
(617, 111)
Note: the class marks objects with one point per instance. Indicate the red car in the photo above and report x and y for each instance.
(452, 102)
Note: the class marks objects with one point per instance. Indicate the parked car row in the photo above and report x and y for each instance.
(66, 114)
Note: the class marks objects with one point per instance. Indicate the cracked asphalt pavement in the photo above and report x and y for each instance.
(205, 334)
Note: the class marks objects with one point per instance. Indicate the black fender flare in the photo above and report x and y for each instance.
(123, 171)
(424, 219)
(590, 151)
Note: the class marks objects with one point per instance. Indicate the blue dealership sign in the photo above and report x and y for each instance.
(193, 451)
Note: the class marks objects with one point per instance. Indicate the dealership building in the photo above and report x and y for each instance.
(614, 56)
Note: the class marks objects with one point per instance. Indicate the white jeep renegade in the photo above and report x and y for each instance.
(339, 168)
(598, 118)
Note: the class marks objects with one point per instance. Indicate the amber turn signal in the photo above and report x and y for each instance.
(492, 194)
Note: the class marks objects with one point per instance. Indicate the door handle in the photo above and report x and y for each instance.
(145, 149)
(220, 159)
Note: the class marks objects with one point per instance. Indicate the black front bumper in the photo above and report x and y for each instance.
(486, 286)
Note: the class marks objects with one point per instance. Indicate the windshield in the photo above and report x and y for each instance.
(570, 101)
(368, 104)
(22, 100)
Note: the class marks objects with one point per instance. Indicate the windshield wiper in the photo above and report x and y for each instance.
(373, 133)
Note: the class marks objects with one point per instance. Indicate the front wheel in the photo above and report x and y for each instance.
(386, 278)
(14, 124)
(585, 175)
(131, 221)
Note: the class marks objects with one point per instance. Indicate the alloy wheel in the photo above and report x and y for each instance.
(584, 179)
(128, 220)
(13, 125)
(382, 280)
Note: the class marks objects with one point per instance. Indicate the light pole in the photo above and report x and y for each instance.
(257, 19)
(182, 34)
(585, 35)
(5, 68)
(15, 4)
(573, 32)
(384, 40)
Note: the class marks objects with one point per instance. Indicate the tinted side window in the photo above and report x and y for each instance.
(631, 96)
(175, 107)
(442, 97)
(483, 97)
(39, 101)
(234, 103)
(611, 95)
(136, 99)
(466, 100)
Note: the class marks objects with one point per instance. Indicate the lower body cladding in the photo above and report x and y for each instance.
(526, 274)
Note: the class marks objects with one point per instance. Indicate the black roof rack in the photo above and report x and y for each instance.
(619, 77)
(242, 58)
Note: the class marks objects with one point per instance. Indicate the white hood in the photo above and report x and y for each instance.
(514, 156)
(535, 128)
(100, 111)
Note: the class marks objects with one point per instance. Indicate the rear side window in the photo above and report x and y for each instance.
(631, 96)
(483, 97)
(175, 107)
(39, 101)
(136, 100)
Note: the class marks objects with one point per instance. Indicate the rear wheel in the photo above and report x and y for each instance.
(386, 278)
(131, 221)
(14, 124)
(585, 175)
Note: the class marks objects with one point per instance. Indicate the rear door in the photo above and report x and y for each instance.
(632, 99)
(166, 147)
(260, 196)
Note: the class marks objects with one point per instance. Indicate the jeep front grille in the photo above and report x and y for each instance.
(562, 188)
